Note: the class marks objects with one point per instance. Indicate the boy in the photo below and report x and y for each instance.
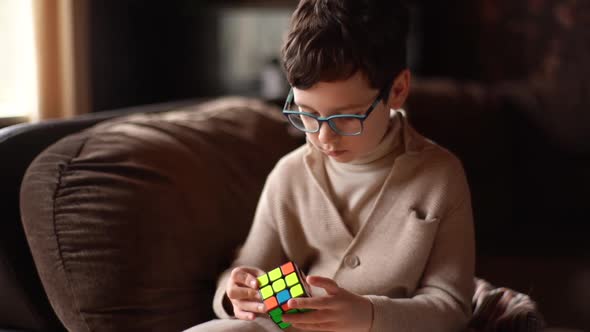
(378, 216)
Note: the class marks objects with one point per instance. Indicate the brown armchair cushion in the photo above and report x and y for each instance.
(503, 309)
(131, 221)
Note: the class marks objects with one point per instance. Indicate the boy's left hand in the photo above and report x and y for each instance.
(340, 310)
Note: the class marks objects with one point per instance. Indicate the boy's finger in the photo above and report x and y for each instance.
(251, 278)
(243, 293)
(243, 315)
(323, 302)
(312, 317)
(253, 270)
(328, 284)
(251, 306)
(243, 276)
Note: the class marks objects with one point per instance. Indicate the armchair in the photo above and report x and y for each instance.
(126, 224)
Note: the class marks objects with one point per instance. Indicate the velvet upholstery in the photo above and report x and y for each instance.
(130, 222)
(23, 304)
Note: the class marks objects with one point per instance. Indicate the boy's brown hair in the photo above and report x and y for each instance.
(330, 40)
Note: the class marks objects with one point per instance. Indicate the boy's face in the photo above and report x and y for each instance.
(351, 96)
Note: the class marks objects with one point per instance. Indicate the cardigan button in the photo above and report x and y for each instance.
(352, 261)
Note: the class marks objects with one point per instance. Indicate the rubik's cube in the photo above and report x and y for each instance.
(278, 286)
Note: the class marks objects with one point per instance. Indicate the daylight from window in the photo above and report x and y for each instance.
(18, 69)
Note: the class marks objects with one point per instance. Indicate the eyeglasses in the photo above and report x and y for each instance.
(342, 124)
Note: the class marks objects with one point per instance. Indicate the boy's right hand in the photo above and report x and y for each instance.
(242, 291)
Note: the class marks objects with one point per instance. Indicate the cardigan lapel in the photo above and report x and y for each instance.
(412, 143)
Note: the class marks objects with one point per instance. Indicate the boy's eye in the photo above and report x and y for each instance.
(347, 119)
(301, 109)
(355, 113)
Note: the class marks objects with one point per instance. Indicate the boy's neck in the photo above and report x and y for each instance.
(386, 145)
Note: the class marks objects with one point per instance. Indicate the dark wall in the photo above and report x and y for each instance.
(449, 32)
(147, 52)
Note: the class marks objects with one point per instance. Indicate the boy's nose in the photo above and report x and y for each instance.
(326, 134)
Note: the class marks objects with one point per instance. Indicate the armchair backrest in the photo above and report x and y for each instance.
(131, 221)
(23, 303)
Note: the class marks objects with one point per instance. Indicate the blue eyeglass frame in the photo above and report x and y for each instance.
(321, 120)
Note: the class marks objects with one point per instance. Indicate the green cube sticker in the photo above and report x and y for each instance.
(276, 312)
(279, 285)
(275, 274)
(284, 325)
(263, 280)
(266, 292)
(292, 279)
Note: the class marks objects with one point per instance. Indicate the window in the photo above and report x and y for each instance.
(18, 68)
(250, 38)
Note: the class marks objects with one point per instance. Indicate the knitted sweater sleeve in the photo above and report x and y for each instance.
(442, 301)
(262, 248)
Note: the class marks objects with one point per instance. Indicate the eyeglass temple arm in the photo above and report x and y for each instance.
(289, 99)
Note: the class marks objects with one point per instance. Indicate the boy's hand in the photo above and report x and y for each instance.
(340, 310)
(242, 291)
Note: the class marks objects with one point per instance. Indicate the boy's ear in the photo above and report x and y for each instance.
(399, 90)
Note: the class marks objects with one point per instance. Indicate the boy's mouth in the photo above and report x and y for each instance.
(334, 153)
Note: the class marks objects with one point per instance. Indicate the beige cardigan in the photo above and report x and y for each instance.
(413, 257)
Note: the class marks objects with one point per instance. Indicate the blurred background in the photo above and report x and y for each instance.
(525, 59)
(514, 75)
(99, 55)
